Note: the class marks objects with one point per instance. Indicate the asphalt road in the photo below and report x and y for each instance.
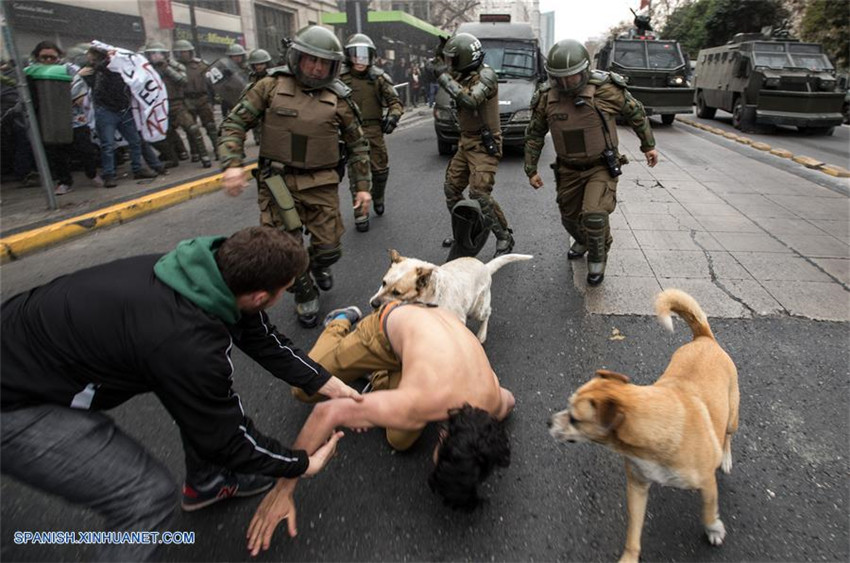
(831, 149)
(785, 500)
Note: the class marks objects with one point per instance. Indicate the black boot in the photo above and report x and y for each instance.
(576, 251)
(505, 244)
(324, 278)
(448, 241)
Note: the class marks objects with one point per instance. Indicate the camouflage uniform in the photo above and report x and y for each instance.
(477, 99)
(175, 78)
(373, 90)
(197, 98)
(586, 192)
(306, 161)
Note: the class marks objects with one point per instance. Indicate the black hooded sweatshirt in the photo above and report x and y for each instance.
(162, 324)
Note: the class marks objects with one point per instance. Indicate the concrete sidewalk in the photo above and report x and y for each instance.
(27, 224)
(715, 220)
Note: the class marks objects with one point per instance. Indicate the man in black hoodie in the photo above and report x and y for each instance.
(89, 341)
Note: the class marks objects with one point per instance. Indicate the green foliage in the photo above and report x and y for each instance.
(826, 22)
(707, 23)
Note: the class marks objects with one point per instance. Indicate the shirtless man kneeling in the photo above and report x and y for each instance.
(436, 371)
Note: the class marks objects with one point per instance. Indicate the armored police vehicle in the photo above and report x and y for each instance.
(512, 51)
(769, 79)
(656, 70)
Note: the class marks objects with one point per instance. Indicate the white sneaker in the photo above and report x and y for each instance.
(62, 189)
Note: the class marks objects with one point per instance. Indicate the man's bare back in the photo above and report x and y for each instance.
(443, 363)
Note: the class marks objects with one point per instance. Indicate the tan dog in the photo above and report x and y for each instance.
(461, 286)
(676, 432)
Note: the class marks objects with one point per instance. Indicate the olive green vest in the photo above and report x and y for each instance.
(470, 121)
(577, 131)
(196, 84)
(300, 130)
(366, 95)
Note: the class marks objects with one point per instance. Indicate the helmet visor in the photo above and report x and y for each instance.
(570, 84)
(359, 55)
(156, 56)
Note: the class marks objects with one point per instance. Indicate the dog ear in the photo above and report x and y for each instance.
(609, 413)
(395, 257)
(612, 375)
(423, 277)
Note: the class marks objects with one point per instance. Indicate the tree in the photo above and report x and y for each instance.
(826, 22)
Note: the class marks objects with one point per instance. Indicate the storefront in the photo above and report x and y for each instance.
(33, 22)
(211, 42)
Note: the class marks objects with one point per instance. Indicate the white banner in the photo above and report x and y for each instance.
(150, 99)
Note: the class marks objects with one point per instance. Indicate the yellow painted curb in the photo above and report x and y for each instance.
(761, 146)
(730, 135)
(745, 140)
(15, 246)
(836, 171)
(782, 153)
(807, 161)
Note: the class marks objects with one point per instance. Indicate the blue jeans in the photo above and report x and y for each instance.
(107, 121)
(84, 458)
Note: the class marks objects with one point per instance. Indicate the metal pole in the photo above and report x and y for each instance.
(358, 23)
(29, 113)
(195, 41)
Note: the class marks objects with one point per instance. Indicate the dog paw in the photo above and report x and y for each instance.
(716, 531)
(629, 557)
(726, 463)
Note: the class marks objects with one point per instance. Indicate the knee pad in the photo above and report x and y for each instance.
(304, 289)
(324, 256)
(595, 222)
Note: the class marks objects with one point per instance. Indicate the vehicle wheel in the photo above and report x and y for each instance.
(703, 110)
(444, 148)
(668, 119)
(740, 120)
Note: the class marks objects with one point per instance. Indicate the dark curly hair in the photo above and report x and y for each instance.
(260, 259)
(475, 442)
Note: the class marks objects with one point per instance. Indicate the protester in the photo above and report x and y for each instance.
(92, 340)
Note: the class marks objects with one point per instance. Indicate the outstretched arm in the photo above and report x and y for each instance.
(387, 409)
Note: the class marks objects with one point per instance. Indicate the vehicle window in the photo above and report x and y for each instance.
(769, 47)
(811, 62)
(772, 60)
(510, 59)
(797, 48)
(630, 54)
(663, 54)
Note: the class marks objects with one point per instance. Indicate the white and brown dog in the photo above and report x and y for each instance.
(676, 432)
(461, 286)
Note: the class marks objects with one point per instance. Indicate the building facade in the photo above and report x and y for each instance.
(131, 23)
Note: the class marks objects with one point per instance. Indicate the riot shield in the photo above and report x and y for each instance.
(228, 80)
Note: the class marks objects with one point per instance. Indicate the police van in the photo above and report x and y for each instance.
(512, 51)
(769, 79)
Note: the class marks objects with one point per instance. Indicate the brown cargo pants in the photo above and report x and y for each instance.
(352, 354)
(581, 192)
(472, 166)
(317, 207)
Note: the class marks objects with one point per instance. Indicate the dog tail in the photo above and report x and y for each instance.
(495, 264)
(679, 302)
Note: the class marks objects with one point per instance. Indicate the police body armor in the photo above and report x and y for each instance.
(300, 130)
(364, 91)
(228, 80)
(577, 129)
(196, 84)
(470, 121)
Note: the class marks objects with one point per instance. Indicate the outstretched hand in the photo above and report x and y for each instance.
(334, 388)
(279, 503)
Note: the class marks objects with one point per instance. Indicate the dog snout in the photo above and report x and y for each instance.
(375, 303)
(549, 423)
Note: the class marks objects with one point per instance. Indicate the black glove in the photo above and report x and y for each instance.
(389, 123)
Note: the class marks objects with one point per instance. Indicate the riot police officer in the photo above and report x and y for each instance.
(174, 76)
(579, 107)
(236, 53)
(474, 86)
(373, 91)
(196, 91)
(258, 62)
(305, 111)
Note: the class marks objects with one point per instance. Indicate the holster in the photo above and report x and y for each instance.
(291, 220)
